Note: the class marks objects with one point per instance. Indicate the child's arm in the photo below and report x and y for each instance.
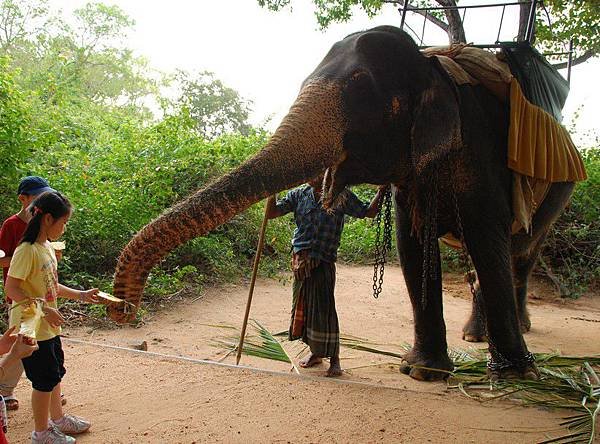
(7, 243)
(88, 296)
(13, 289)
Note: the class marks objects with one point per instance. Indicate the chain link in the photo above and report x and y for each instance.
(464, 255)
(382, 246)
(429, 238)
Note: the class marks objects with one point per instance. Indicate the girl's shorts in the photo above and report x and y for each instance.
(45, 367)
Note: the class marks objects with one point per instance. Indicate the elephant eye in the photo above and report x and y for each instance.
(360, 86)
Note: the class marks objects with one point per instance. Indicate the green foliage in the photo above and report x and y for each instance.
(69, 112)
(358, 238)
(97, 22)
(14, 120)
(330, 11)
(216, 108)
(20, 21)
(577, 20)
(85, 60)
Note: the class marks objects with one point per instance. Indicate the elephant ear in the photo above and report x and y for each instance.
(436, 129)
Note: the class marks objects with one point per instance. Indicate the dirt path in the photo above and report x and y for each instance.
(137, 397)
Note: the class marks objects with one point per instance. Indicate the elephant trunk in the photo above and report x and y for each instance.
(308, 141)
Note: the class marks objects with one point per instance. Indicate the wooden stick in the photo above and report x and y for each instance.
(261, 239)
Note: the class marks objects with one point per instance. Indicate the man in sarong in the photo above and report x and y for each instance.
(314, 246)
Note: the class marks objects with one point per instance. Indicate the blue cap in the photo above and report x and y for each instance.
(33, 185)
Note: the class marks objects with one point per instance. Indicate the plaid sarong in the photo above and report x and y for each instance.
(314, 318)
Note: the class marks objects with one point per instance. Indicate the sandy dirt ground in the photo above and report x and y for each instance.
(133, 396)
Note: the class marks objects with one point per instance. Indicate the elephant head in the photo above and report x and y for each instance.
(374, 111)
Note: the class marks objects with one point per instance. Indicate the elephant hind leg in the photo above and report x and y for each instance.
(490, 251)
(474, 329)
(531, 373)
(526, 247)
(522, 267)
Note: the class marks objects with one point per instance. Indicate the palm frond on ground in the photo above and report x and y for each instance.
(261, 344)
(567, 382)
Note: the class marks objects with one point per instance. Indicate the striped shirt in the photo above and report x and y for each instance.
(316, 229)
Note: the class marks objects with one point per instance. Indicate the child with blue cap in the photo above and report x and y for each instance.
(11, 234)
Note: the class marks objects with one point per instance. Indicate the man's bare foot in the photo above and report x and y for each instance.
(335, 369)
(310, 361)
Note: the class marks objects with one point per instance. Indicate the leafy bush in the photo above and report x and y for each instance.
(14, 119)
(358, 238)
(573, 245)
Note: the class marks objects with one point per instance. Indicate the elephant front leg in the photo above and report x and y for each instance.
(489, 250)
(430, 350)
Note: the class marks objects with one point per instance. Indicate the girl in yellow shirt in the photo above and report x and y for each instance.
(33, 286)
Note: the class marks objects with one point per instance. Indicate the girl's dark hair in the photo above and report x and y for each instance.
(50, 202)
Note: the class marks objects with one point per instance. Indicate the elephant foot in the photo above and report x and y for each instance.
(423, 367)
(524, 368)
(474, 330)
(529, 373)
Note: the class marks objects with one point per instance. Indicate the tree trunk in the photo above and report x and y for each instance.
(456, 31)
(524, 11)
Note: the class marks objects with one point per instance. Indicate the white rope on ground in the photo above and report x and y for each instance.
(251, 369)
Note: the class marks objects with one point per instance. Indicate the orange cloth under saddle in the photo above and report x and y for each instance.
(539, 146)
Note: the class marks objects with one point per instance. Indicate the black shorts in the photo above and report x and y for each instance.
(45, 367)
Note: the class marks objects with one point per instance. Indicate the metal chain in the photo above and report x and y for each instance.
(429, 238)
(382, 246)
(464, 255)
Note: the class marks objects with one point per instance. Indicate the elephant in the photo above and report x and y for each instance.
(375, 110)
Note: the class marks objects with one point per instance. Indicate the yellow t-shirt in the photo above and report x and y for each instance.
(36, 266)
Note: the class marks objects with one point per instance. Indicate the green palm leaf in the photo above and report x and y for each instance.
(262, 344)
(566, 382)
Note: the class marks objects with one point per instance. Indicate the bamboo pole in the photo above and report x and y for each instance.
(259, 248)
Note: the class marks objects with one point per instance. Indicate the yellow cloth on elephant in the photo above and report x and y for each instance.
(539, 146)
